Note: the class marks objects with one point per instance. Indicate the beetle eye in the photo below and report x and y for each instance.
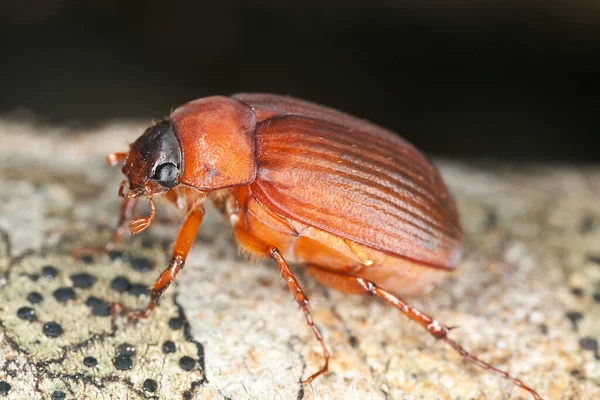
(166, 175)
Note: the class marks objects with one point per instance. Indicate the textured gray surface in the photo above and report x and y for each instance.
(526, 297)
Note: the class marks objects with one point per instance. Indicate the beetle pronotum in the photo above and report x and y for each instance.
(358, 206)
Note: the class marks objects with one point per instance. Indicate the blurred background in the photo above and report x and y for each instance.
(511, 79)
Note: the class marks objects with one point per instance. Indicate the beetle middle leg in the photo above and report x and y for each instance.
(360, 286)
(181, 248)
(257, 246)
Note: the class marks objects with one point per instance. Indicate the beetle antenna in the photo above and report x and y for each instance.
(122, 188)
(139, 224)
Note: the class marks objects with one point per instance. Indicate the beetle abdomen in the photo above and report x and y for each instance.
(310, 246)
(358, 186)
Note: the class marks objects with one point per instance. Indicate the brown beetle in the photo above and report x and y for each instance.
(360, 207)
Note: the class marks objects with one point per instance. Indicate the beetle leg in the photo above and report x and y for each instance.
(139, 224)
(114, 159)
(259, 247)
(181, 248)
(360, 286)
(127, 208)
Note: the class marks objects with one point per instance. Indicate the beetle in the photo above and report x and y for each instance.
(361, 208)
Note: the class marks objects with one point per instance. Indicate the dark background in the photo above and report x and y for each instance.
(511, 79)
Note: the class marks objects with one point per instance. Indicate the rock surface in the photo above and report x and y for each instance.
(526, 297)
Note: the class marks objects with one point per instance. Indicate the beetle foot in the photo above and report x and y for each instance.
(80, 251)
(139, 224)
(130, 313)
(324, 369)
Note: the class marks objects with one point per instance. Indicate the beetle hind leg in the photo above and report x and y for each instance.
(256, 246)
(360, 286)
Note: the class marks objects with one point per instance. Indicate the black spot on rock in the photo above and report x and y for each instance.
(125, 349)
(99, 307)
(123, 363)
(26, 313)
(187, 363)
(147, 243)
(577, 292)
(52, 329)
(49, 272)
(120, 284)
(58, 395)
(34, 277)
(353, 342)
(587, 225)
(595, 258)
(90, 361)
(64, 294)
(86, 259)
(118, 255)
(596, 297)
(83, 280)
(4, 388)
(176, 323)
(169, 347)
(34, 298)
(140, 264)
(138, 289)
(589, 343)
(150, 385)
(491, 220)
(574, 317)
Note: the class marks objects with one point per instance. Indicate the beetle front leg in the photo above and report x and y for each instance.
(360, 286)
(259, 247)
(127, 208)
(114, 159)
(181, 248)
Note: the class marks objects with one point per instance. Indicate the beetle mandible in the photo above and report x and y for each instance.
(361, 208)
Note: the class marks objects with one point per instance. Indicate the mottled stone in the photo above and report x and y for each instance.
(530, 274)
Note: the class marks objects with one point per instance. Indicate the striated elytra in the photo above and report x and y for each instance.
(361, 208)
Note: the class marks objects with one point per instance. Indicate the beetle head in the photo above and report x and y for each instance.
(154, 162)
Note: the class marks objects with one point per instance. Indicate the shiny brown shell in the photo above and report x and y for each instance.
(353, 179)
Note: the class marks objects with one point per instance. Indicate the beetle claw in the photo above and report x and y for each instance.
(132, 314)
(86, 250)
(139, 224)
